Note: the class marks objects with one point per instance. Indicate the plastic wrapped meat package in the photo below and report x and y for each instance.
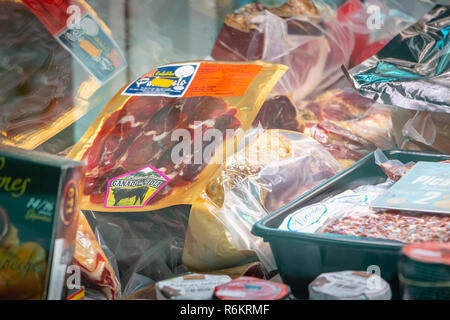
(145, 247)
(36, 80)
(350, 214)
(295, 34)
(348, 125)
(96, 267)
(269, 169)
(312, 38)
(171, 145)
(411, 73)
(135, 132)
(373, 23)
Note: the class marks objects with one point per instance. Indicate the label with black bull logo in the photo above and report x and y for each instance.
(134, 189)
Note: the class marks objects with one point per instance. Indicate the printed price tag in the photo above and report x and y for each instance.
(195, 80)
(425, 188)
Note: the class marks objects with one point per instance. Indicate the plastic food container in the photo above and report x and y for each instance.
(250, 288)
(301, 257)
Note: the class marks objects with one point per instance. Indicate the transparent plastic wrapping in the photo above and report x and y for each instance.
(270, 169)
(161, 150)
(316, 217)
(412, 70)
(350, 213)
(38, 95)
(147, 246)
(348, 125)
(431, 129)
(312, 44)
(97, 268)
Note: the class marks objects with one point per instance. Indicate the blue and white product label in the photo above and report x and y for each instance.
(167, 81)
(93, 48)
(308, 219)
(311, 218)
(425, 188)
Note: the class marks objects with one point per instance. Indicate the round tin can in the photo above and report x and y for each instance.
(190, 287)
(349, 285)
(424, 271)
(250, 288)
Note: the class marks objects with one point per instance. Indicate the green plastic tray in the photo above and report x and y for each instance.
(301, 257)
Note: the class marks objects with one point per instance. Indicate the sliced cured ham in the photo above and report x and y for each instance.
(95, 268)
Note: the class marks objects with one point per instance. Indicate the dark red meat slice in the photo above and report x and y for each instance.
(277, 113)
(140, 134)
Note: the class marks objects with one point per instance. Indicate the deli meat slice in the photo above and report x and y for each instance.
(93, 262)
(347, 124)
(140, 134)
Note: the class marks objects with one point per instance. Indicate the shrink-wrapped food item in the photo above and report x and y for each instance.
(295, 34)
(270, 169)
(190, 287)
(157, 144)
(94, 264)
(250, 288)
(348, 125)
(43, 89)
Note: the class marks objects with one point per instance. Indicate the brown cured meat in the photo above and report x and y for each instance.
(93, 262)
(35, 72)
(139, 134)
(278, 35)
(277, 113)
(239, 38)
(343, 122)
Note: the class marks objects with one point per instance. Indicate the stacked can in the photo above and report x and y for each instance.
(424, 271)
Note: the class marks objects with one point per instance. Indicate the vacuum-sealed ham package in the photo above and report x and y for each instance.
(312, 43)
(43, 88)
(159, 139)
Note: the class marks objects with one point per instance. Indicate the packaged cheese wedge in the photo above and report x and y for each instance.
(270, 169)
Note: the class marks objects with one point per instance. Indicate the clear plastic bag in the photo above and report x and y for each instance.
(270, 169)
(147, 246)
(96, 262)
(348, 125)
(431, 129)
(313, 44)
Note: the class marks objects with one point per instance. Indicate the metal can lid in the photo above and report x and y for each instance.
(349, 285)
(250, 288)
(429, 252)
(190, 287)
